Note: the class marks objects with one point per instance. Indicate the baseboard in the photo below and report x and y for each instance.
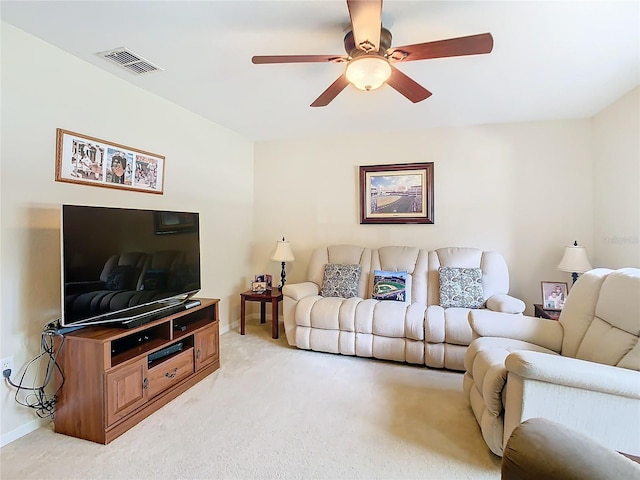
(251, 317)
(234, 325)
(23, 430)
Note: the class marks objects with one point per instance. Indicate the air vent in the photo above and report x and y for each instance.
(129, 61)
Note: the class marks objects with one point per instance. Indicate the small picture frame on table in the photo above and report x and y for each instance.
(554, 295)
(258, 287)
(263, 277)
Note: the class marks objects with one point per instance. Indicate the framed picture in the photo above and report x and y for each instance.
(396, 193)
(174, 222)
(258, 287)
(92, 161)
(263, 277)
(554, 294)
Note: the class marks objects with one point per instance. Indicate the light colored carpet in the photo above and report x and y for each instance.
(273, 411)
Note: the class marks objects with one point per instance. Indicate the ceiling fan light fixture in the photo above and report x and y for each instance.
(368, 72)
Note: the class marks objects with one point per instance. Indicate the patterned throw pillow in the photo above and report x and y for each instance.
(389, 285)
(461, 287)
(340, 280)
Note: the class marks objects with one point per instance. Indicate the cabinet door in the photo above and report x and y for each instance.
(206, 343)
(125, 389)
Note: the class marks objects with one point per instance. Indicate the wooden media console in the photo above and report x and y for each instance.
(115, 377)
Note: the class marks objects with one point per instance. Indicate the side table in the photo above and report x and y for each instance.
(274, 296)
(542, 313)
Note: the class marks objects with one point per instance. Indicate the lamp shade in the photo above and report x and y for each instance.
(574, 260)
(368, 72)
(283, 252)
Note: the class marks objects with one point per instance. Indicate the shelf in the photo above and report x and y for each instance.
(135, 352)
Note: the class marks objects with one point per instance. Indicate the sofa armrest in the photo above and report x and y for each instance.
(539, 331)
(296, 291)
(576, 373)
(505, 303)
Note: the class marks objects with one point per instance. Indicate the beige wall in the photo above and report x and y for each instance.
(526, 190)
(616, 147)
(522, 189)
(208, 169)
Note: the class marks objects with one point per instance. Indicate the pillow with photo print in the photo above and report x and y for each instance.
(388, 285)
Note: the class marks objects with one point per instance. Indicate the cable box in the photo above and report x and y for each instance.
(165, 352)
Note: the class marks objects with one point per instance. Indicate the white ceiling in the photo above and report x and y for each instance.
(551, 59)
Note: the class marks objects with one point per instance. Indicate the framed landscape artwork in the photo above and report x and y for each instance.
(92, 161)
(396, 193)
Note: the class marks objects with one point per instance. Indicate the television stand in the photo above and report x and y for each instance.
(116, 377)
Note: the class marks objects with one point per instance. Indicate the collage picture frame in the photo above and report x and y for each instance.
(92, 161)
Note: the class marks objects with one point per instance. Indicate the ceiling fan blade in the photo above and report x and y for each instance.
(407, 87)
(452, 47)
(366, 23)
(332, 92)
(260, 59)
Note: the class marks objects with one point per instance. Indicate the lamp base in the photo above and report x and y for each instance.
(283, 276)
(574, 275)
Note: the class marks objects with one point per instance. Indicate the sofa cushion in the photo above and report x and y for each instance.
(341, 280)
(461, 287)
(389, 285)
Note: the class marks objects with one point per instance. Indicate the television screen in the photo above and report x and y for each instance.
(122, 264)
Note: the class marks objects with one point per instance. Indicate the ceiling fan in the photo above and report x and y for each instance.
(370, 58)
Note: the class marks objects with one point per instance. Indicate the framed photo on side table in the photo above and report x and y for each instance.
(554, 294)
(263, 277)
(396, 193)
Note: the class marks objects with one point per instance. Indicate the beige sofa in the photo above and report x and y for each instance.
(581, 371)
(417, 330)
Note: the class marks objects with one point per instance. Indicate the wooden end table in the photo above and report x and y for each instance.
(274, 296)
(542, 313)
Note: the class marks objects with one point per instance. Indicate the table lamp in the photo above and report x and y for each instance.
(574, 261)
(283, 254)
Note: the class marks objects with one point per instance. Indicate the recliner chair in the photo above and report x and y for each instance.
(582, 371)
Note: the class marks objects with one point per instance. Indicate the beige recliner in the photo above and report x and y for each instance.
(581, 371)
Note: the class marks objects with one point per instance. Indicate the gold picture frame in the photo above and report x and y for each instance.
(92, 161)
(393, 194)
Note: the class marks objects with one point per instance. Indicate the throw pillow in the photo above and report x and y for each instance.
(120, 278)
(389, 285)
(461, 287)
(340, 280)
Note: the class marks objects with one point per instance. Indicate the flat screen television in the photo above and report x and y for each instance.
(123, 266)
